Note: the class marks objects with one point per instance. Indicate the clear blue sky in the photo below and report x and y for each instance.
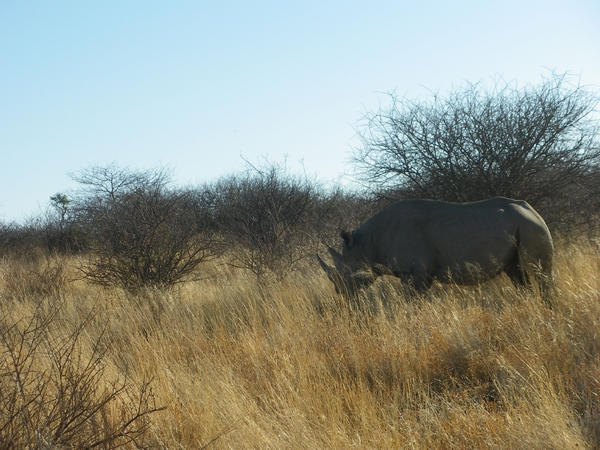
(197, 85)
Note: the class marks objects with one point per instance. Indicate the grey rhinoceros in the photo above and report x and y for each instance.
(463, 243)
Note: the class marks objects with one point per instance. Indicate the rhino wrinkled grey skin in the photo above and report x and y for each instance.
(420, 241)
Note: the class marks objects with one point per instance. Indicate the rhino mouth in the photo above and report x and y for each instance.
(344, 280)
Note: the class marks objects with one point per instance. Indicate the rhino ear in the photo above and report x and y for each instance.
(348, 238)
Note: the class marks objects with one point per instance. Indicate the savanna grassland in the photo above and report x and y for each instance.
(226, 362)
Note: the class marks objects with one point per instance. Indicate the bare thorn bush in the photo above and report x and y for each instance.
(142, 233)
(267, 217)
(54, 388)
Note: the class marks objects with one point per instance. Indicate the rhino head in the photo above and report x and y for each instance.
(346, 278)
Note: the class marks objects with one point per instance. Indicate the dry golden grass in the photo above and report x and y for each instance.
(291, 365)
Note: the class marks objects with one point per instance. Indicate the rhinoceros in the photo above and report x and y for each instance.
(463, 243)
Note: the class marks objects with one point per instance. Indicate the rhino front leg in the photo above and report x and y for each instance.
(422, 282)
(417, 282)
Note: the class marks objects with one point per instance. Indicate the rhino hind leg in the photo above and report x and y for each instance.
(524, 274)
(515, 271)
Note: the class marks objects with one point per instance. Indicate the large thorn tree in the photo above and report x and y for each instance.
(537, 142)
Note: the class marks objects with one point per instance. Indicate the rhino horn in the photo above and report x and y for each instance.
(330, 271)
(337, 258)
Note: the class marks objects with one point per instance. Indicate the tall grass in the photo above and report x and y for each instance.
(291, 365)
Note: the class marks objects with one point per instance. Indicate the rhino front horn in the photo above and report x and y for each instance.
(337, 257)
(330, 271)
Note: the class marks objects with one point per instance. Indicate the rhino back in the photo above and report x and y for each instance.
(446, 238)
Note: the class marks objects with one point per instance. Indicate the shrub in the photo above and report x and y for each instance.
(268, 218)
(141, 232)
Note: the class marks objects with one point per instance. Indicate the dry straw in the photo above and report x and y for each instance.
(291, 365)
